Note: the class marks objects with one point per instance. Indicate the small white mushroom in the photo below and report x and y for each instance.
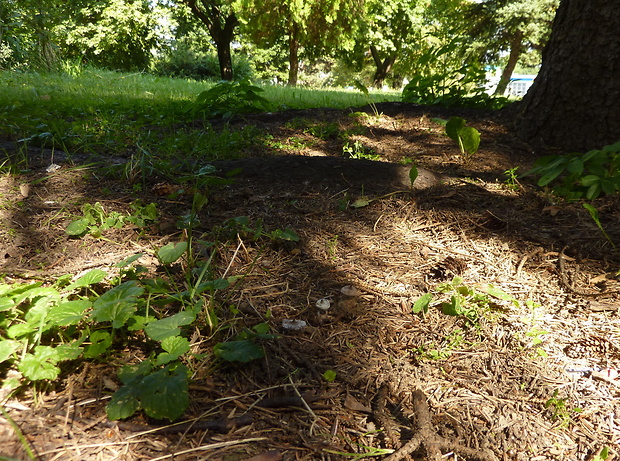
(323, 304)
(294, 325)
(349, 290)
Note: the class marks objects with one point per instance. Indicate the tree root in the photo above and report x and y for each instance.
(433, 443)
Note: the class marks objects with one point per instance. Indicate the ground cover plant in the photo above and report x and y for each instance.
(259, 274)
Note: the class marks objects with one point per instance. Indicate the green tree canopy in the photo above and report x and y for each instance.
(314, 27)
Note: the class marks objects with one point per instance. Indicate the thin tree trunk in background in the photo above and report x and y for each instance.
(516, 47)
(293, 59)
(383, 66)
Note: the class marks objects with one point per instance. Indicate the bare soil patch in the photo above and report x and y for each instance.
(533, 380)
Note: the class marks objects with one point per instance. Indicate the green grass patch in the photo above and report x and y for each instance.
(91, 112)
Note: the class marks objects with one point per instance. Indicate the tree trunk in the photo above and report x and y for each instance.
(573, 103)
(516, 46)
(222, 31)
(293, 57)
(224, 58)
(383, 66)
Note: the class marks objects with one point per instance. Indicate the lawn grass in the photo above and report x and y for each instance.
(91, 111)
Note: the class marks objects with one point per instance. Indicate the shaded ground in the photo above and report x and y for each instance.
(522, 381)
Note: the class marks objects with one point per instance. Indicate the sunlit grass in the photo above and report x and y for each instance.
(91, 111)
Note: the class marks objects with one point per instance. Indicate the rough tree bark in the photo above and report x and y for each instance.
(221, 27)
(573, 103)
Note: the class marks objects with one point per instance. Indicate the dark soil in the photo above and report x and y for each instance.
(527, 380)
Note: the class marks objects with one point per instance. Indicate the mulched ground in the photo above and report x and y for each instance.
(533, 380)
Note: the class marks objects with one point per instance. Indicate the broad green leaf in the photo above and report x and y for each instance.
(35, 291)
(238, 351)
(136, 372)
(470, 138)
(100, 342)
(7, 348)
(589, 180)
(501, 294)
(164, 394)
(68, 313)
(171, 252)
(90, 278)
(286, 234)
(124, 403)
(20, 329)
(575, 166)
(453, 307)
(453, 126)
(169, 326)
(261, 328)
(78, 227)
(139, 322)
(422, 303)
(359, 86)
(212, 285)
(117, 304)
(41, 364)
(361, 202)
(175, 346)
(69, 351)
(6, 303)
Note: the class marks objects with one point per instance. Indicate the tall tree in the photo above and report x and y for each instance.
(313, 26)
(516, 26)
(573, 103)
(221, 20)
(118, 34)
(389, 27)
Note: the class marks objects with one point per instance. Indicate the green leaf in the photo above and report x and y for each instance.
(501, 294)
(90, 278)
(164, 394)
(127, 261)
(470, 139)
(169, 326)
(329, 376)
(124, 403)
(422, 303)
(78, 227)
(69, 351)
(453, 307)
(171, 252)
(175, 346)
(238, 351)
(68, 313)
(135, 372)
(20, 329)
(100, 342)
(6, 303)
(359, 86)
(7, 348)
(117, 304)
(41, 364)
(453, 126)
(413, 174)
(361, 202)
(212, 285)
(286, 234)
